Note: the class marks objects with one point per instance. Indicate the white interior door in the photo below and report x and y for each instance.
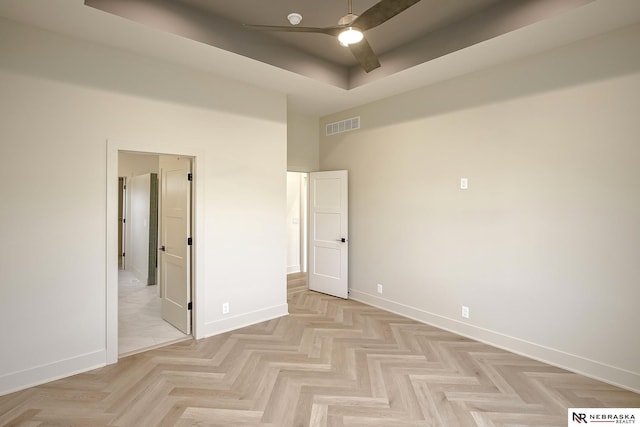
(329, 231)
(175, 250)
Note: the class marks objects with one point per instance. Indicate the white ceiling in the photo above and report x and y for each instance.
(309, 95)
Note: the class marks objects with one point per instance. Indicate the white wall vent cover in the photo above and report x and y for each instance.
(343, 126)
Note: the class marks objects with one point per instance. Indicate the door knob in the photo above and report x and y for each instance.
(162, 248)
(342, 240)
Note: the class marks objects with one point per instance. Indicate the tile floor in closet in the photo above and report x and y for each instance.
(140, 325)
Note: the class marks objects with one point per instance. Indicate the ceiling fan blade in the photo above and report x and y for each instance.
(332, 31)
(381, 12)
(365, 55)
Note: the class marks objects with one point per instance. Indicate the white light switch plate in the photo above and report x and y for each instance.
(465, 311)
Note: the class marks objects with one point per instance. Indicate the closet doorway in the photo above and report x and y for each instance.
(141, 323)
(297, 230)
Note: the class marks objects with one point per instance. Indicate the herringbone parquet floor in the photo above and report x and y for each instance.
(331, 362)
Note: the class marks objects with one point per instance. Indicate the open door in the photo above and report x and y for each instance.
(329, 230)
(121, 220)
(175, 241)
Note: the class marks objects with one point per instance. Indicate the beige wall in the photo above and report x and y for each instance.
(136, 168)
(66, 107)
(132, 164)
(544, 245)
(302, 142)
(137, 226)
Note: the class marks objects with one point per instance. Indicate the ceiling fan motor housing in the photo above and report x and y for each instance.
(347, 19)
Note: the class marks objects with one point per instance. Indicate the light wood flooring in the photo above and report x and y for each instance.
(296, 282)
(331, 362)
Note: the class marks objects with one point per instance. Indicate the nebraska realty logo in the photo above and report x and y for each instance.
(580, 416)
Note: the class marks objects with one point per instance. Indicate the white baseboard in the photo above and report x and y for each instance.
(293, 269)
(21, 380)
(587, 367)
(240, 321)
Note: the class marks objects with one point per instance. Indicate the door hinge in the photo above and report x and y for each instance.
(190, 241)
(189, 176)
(190, 306)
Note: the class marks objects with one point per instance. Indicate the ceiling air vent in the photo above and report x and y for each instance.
(343, 126)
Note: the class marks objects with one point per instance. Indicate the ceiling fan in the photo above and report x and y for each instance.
(351, 27)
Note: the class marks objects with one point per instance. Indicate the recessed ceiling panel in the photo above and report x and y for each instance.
(426, 30)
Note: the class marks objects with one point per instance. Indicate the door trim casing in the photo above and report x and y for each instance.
(113, 146)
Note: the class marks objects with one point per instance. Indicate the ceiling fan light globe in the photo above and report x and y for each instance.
(350, 36)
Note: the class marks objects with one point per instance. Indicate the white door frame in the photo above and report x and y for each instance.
(304, 223)
(111, 262)
(123, 223)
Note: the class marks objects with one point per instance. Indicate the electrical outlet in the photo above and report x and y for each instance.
(464, 183)
(225, 308)
(465, 311)
(379, 288)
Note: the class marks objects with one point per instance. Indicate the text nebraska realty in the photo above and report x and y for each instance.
(605, 418)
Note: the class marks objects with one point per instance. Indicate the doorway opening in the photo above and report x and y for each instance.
(297, 231)
(325, 255)
(147, 238)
